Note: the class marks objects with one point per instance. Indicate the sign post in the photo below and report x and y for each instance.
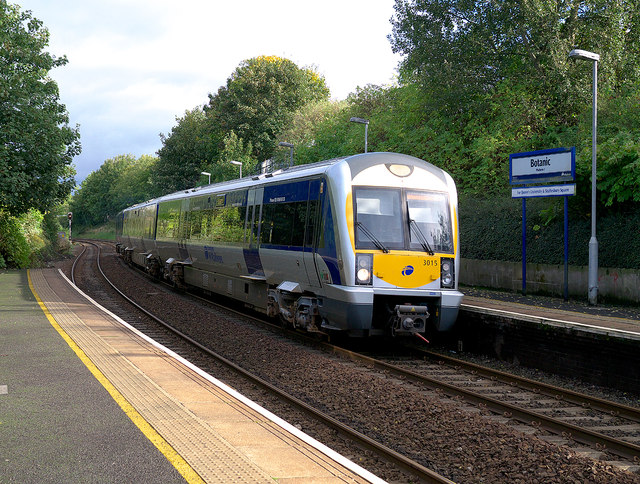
(70, 217)
(554, 165)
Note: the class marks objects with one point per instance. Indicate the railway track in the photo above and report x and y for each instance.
(553, 414)
(408, 465)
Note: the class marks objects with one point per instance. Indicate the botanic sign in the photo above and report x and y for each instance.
(557, 164)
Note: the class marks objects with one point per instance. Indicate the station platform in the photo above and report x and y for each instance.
(613, 321)
(596, 345)
(86, 398)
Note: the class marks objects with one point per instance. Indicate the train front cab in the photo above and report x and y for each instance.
(400, 256)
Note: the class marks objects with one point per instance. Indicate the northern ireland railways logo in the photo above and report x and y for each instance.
(407, 270)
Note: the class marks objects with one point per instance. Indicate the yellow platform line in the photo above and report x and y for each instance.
(156, 439)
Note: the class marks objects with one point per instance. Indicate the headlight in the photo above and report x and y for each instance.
(363, 276)
(364, 267)
(447, 273)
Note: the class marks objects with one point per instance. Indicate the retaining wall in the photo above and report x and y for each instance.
(613, 284)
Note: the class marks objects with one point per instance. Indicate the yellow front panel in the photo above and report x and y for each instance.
(406, 269)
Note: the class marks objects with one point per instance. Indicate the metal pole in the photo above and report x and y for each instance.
(366, 129)
(524, 246)
(566, 248)
(366, 136)
(593, 242)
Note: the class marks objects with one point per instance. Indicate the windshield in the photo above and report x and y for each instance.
(430, 211)
(379, 211)
(392, 218)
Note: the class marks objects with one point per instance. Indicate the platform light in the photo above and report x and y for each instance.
(290, 146)
(366, 129)
(593, 242)
(206, 173)
(237, 163)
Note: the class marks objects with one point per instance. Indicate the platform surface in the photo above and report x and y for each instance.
(618, 321)
(89, 400)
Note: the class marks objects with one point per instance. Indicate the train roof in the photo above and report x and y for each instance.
(358, 162)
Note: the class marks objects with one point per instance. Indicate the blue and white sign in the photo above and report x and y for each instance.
(544, 191)
(557, 164)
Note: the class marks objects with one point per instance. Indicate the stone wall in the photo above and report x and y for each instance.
(613, 284)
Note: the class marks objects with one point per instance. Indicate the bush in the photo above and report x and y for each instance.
(491, 229)
(14, 248)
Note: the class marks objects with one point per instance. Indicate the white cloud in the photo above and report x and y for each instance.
(136, 65)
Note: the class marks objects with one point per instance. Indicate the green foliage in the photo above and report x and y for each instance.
(260, 99)
(460, 50)
(36, 143)
(106, 231)
(619, 170)
(50, 228)
(185, 152)
(235, 149)
(491, 229)
(14, 248)
(117, 184)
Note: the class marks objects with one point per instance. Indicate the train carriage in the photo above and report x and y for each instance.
(365, 245)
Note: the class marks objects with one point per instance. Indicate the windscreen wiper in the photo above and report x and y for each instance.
(421, 237)
(373, 238)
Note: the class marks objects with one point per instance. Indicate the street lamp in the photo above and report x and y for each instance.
(593, 242)
(290, 146)
(238, 163)
(366, 129)
(206, 173)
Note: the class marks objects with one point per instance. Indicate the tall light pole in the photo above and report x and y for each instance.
(238, 163)
(206, 173)
(593, 242)
(366, 129)
(290, 146)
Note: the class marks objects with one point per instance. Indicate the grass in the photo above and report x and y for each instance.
(101, 232)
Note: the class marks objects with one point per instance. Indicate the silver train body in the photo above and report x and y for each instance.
(365, 245)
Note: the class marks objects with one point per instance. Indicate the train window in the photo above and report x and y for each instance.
(225, 224)
(168, 220)
(430, 211)
(378, 218)
(283, 224)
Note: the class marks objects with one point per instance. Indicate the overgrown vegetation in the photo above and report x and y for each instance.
(28, 240)
(478, 81)
(491, 229)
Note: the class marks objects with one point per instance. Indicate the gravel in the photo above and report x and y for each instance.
(439, 433)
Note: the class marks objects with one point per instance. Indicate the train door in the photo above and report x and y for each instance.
(183, 230)
(311, 231)
(252, 232)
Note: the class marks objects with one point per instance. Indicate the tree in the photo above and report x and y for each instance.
(185, 152)
(118, 183)
(461, 49)
(37, 145)
(235, 149)
(260, 99)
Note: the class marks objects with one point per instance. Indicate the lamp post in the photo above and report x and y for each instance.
(593, 242)
(290, 146)
(366, 129)
(238, 163)
(206, 173)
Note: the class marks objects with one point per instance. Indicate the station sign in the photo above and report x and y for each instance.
(557, 164)
(544, 191)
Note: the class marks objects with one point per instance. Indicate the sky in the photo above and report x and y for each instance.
(137, 65)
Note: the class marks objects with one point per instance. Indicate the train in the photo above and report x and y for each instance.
(363, 245)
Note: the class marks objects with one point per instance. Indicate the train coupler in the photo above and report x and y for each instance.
(409, 319)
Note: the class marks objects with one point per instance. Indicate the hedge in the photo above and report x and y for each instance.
(492, 230)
